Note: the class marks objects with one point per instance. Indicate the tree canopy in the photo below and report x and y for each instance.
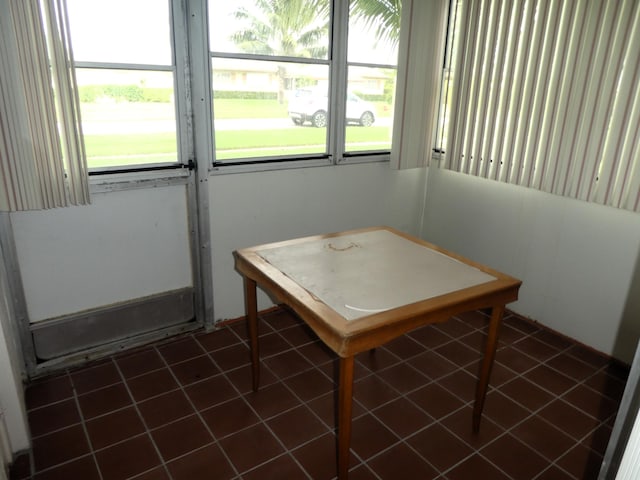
(296, 28)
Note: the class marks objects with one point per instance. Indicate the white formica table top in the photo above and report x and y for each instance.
(369, 272)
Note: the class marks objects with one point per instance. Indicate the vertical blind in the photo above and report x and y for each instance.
(42, 158)
(546, 95)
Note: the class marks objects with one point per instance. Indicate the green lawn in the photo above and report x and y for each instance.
(134, 149)
(105, 150)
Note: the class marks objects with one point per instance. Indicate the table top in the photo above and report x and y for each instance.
(360, 288)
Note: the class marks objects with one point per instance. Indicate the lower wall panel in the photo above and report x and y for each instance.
(89, 329)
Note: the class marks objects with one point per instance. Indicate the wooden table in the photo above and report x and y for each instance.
(359, 289)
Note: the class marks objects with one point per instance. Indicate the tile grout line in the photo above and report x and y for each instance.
(197, 412)
(84, 428)
(147, 431)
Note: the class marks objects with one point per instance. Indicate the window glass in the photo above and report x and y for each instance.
(260, 106)
(125, 81)
(120, 31)
(372, 70)
(295, 28)
(369, 108)
(128, 117)
(271, 100)
(374, 27)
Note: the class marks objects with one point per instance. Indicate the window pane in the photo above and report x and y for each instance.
(374, 26)
(128, 117)
(266, 109)
(295, 28)
(121, 31)
(373, 41)
(370, 108)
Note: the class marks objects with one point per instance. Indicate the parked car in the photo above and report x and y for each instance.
(310, 105)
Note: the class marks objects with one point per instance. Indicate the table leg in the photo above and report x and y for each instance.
(345, 399)
(487, 363)
(251, 308)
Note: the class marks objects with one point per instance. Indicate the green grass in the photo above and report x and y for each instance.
(135, 149)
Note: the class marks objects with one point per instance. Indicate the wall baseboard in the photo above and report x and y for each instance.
(90, 329)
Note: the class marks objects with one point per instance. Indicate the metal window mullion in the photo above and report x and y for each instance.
(269, 58)
(124, 66)
(338, 79)
(181, 74)
(203, 148)
(452, 151)
(445, 84)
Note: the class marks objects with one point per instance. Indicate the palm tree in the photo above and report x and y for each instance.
(290, 28)
(381, 16)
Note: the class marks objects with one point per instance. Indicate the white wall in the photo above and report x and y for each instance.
(255, 208)
(577, 260)
(11, 391)
(125, 245)
(134, 243)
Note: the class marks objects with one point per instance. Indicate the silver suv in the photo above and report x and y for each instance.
(310, 105)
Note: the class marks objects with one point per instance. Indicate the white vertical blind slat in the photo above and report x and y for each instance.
(462, 81)
(564, 59)
(484, 135)
(541, 91)
(497, 75)
(534, 79)
(481, 82)
(506, 87)
(471, 85)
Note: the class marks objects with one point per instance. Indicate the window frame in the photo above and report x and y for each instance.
(101, 177)
(191, 68)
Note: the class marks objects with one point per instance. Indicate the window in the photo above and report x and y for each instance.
(543, 94)
(300, 80)
(126, 81)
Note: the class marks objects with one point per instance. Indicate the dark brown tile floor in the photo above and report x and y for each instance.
(183, 409)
